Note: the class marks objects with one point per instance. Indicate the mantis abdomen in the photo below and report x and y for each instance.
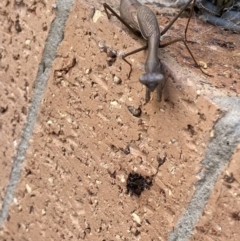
(140, 17)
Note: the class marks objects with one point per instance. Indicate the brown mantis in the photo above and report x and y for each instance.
(141, 19)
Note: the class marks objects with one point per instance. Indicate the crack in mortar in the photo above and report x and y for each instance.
(219, 151)
(54, 39)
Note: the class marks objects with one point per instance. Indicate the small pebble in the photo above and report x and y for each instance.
(198, 92)
(97, 15)
(202, 64)
(102, 45)
(117, 80)
(115, 104)
(88, 71)
(27, 42)
(136, 218)
(50, 180)
(43, 212)
(135, 112)
(28, 188)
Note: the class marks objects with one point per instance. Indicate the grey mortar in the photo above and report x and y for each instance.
(54, 38)
(219, 151)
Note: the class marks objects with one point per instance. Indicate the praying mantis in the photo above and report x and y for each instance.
(141, 19)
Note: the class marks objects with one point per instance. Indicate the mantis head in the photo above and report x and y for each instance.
(152, 80)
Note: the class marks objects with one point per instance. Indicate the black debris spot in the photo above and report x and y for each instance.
(136, 183)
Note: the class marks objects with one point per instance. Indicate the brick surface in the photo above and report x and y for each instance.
(23, 30)
(221, 216)
(73, 183)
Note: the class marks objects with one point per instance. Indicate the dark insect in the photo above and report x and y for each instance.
(136, 183)
(141, 20)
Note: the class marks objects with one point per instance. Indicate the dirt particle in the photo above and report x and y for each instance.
(229, 178)
(97, 15)
(161, 160)
(28, 188)
(227, 74)
(50, 180)
(3, 109)
(112, 174)
(44, 26)
(236, 216)
(18, 26)
(111, 56)
(43, 212)
(114, 148)
(212, 134)
(136, 218)
(88, 71)
(190, 129)
(111, 53)
(102, 45)
(135, 231)
(27, 42)
(115, 104)
(31, 209)
(117, 80)
(202, 64)
(135, 112)
(126, 150)
(24, 110)
(223, 44)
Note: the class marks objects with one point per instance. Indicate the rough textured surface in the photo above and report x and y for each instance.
(225, 139)
(54, 38)
(21, 48)
(221, 216)
(86, 141)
